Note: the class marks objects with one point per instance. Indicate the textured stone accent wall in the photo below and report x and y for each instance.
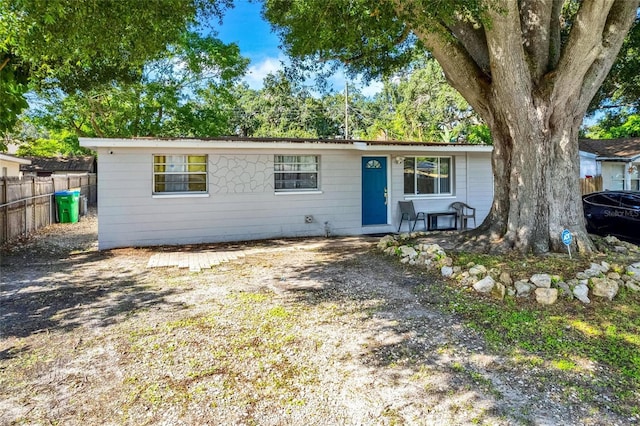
(240, 173)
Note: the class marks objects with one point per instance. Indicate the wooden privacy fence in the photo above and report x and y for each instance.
(591, 184)
(28, 204)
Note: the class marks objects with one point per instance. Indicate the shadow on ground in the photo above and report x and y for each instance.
(45, 301)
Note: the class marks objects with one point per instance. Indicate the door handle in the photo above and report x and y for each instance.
(386, 196)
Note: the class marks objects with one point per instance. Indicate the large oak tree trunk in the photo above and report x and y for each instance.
(536, 185)
(532, 86)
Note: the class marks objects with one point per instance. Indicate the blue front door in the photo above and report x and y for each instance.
(374, 191)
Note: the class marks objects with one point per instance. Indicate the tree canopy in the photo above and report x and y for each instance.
(184, 93)
(530, 69)
(76, 45)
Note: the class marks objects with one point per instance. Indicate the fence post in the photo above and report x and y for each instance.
(33, 202)
(6, 210)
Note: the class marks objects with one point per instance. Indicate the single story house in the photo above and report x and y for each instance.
(616, 160)
(181, 191)
(47, 166)
(10, 165)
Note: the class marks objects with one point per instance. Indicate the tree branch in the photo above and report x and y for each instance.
(509, 67)
(402, 37)
(460, 68)
(474, 41)
(555, 41)
(535, 19)
(4, 63)
(583, 47)
(620, 19)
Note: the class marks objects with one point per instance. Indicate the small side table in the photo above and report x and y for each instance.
(432, 219)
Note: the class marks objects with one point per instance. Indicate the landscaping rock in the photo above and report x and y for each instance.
(604, 287)
(613, 276)
(408, 251)
(498, 291)
(633, 287)
(564, 290)
(595, 270)
(582, 276)
(541, 280)
(446, 271)
(478, 270)
(524, 288)
(581, 292)
(621, 249)
(610, 239)
(546, 296)
(604, 279)
(386, 241)
(634, 270)
(485, 285)
(505, 279)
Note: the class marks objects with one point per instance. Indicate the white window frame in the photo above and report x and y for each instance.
(181, 169)
(438, 178)
(292, 164)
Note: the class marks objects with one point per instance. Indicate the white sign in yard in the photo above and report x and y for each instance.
(567, 238)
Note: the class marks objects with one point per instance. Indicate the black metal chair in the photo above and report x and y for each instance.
(465, 212)
(408, 213)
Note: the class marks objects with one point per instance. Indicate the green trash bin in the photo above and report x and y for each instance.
(68, 203)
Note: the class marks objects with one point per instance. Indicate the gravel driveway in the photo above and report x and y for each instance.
(313, 332)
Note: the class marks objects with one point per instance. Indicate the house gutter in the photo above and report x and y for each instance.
(281, 144)
(618, 159)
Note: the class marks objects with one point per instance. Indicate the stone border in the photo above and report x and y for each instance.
(600, 280)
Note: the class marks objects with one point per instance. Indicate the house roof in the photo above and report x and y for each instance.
(60, 164)
(612, 149)
(14, 159)
(278, 143)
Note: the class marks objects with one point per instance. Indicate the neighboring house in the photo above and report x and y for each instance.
(179, 191)
(10, 165)
(47, 166)
(616, 160)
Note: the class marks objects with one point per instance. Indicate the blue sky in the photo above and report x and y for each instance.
(245, 26)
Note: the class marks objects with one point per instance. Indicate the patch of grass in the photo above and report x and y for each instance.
(522, 267)
(248, 350)
(564, 364)
(553, 338)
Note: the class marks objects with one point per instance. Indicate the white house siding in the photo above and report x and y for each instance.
(241, 203)
(9, 168)
(588, 164)
(613, 175)
(473, 184)
(480, 184)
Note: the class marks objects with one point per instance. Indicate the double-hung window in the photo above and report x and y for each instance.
(296, 172)
(179, 174)
(427, 175)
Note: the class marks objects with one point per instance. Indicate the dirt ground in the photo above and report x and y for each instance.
(313, 332)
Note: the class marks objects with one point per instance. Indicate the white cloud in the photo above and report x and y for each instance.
(256, 73)
(373, 88)
(269, 65)
(367, 89)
